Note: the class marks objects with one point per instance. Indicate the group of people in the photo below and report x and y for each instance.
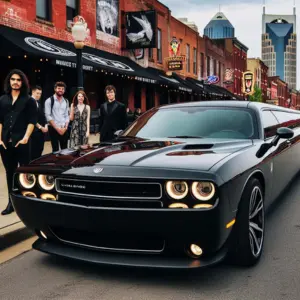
(24, 122)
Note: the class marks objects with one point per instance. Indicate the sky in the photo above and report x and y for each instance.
(244, 15)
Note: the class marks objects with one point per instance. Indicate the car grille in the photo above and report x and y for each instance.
(135, 242)
(109, 189)
(114, 203)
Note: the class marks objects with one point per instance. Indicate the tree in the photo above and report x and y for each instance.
(257, 95)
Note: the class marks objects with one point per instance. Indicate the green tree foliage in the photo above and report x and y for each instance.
(257, 95)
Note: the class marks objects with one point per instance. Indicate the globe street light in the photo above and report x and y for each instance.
(79, 33)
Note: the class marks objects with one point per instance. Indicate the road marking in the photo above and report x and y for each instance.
(16, 250)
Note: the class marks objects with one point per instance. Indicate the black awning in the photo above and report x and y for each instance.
(169, 81)
(64, 54)
(195, 88)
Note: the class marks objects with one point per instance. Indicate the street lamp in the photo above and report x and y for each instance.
(79, 33)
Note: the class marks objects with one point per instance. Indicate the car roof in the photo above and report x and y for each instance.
(230, 103)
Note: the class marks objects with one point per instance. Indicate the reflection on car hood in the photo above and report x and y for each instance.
(200, 154)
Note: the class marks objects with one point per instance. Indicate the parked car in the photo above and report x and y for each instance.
(184, 186)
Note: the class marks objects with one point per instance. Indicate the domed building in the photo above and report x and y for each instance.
(219, 27)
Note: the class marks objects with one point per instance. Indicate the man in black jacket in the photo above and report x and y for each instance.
(41, 128)
(113, 115)
(17, 120)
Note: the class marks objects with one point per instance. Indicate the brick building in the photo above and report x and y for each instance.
(278, 91)
(236, 60)
(260, 70)
(106, 60)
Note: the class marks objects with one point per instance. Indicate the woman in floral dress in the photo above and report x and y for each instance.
(80, 115)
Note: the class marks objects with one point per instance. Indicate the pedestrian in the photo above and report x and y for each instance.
(113, 115)
(41, 128)
(18, 116)
(80, 115)
(57, 115)
(137, 113)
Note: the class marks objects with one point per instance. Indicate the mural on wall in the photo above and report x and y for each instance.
(108, 16)
(141, 29)
(107, 21)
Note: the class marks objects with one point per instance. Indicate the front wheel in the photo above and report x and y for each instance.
(249, 230)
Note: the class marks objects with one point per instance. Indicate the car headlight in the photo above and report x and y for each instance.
(27, 181)
(203, 191)
(46, 182)
(177, 189)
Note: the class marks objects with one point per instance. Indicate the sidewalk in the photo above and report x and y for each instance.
(12, 230)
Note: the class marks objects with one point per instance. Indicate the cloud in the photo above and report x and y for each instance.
(245, 16)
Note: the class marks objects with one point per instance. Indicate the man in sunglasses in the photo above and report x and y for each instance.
(18, 116)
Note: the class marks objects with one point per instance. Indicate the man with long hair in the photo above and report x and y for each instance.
(17, 120)
(57, 115)
(113, 116)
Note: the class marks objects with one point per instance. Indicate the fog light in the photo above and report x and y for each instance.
(203, 206)
(43, 235)
(196, 250)
(47, 196)
(178, 205)
(28, 194)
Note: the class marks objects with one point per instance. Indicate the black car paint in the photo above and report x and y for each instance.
(229, 164)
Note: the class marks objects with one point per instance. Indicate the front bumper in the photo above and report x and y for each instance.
(84, 227)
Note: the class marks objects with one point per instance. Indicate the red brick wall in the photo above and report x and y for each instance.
(189, 37)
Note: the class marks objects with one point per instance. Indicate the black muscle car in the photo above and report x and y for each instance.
(184, 186)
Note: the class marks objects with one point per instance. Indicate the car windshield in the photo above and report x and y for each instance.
(195, 122)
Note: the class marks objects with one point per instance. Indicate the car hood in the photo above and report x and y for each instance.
(200, 154)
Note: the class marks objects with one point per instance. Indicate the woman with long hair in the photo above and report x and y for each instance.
(80, 115)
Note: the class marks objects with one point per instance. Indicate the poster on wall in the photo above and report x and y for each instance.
(248, 83)
(141, 29)
(229, 76)
(107, 17)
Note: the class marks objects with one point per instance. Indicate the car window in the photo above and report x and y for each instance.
(285, 117)
(220, 123)
(270, 123)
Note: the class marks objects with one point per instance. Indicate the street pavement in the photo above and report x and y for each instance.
(34, 275)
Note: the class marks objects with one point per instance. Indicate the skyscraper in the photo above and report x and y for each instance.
(219, 27)
(279, 46)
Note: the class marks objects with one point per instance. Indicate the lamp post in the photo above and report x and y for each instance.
(79, 33)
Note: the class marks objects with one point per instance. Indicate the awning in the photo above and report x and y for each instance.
(169, 81)
(64, 54)
(195, 88)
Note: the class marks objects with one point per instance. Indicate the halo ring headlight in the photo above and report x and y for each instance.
(177, 189)
(46, 182)
(203, 191)
(27, 180)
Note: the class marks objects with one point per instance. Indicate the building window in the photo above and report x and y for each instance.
(159, 46)
(195, 61)
(208, 66)
(43, 9)
(188, 58)
(202, 65)
(72, 11)
(151, 53)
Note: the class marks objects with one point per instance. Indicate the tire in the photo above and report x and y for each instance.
(249, 230)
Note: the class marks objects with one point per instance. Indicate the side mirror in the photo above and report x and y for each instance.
(284, 133)
(118, 132)
(281, 133)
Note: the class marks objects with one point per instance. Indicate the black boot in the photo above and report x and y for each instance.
(8, 210)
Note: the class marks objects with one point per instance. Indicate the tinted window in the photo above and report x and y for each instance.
(285, 116)
(270, 123)
(195, 121)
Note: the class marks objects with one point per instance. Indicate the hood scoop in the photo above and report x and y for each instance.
(197, 146)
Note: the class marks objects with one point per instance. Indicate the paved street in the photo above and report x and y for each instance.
(34, 275)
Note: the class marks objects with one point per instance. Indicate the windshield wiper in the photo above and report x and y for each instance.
(185, 137)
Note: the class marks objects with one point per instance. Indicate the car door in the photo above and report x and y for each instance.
(270, 125)
(287, 163)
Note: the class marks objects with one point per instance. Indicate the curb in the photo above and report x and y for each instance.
(14, 234)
